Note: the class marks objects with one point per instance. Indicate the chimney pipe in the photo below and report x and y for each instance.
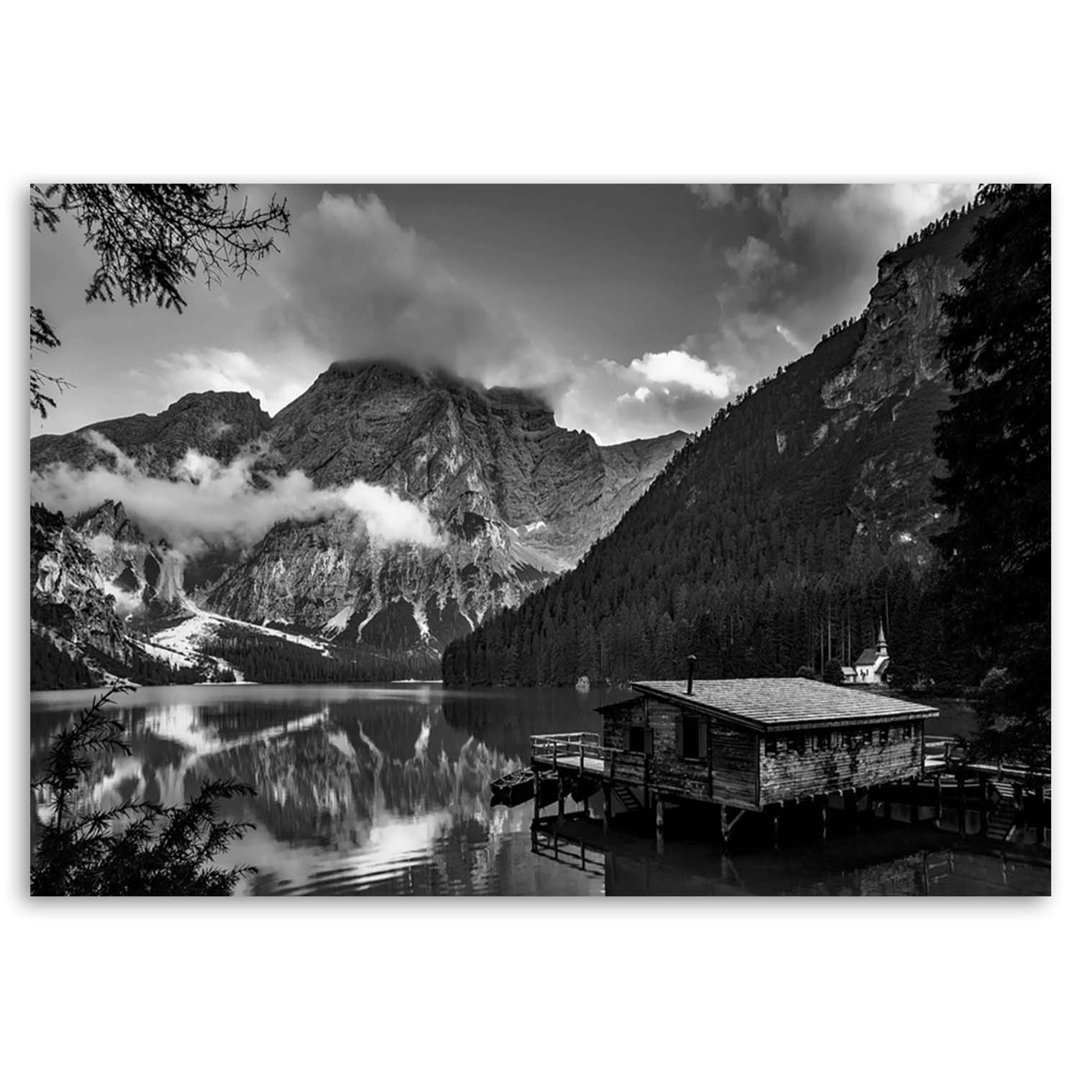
(690, 673)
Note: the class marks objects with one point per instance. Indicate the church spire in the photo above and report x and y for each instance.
(882, 647)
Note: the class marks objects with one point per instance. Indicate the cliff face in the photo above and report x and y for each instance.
(903, 322)
(69, 604)
(516, 500)
(893, 387)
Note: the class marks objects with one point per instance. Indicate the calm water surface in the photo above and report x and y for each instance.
(385, 790)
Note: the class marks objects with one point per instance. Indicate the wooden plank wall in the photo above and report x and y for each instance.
(669, 771)
(626, 767)
(725, 773)
(740, 768)
(734, 754)
(797, 765)
(618, 720)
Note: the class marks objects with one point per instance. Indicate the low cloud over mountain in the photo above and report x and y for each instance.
(208, 504)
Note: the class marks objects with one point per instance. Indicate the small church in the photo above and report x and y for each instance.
(871, 664)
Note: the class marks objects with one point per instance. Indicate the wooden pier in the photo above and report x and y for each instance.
(765, 747)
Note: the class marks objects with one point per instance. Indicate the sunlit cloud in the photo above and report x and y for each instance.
(652, 395)
(195, 371)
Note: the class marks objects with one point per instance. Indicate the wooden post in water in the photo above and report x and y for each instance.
(984, 801)
(536, 794)
(851, 806)
(562, 798)
(937, 800)
(776, 827)
(961, 796)
(607, 806)
(913, 809)
(824, 802)
(659, 816)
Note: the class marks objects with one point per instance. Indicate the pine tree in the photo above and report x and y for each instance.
(995, 440)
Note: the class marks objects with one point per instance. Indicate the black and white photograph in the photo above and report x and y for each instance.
(543, 526)
(540, 539)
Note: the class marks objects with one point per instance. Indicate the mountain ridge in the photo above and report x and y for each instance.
(516, 499)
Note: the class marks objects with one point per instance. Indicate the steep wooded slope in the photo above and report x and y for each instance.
(779, 536)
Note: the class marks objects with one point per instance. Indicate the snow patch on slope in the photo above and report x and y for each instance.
(191, 639)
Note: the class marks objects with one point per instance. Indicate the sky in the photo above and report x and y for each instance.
(634, 310)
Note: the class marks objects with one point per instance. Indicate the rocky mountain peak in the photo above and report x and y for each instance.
(217, 423)
(517, 498)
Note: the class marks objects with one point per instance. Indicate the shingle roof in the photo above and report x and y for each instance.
(867, 657)
(766, 702)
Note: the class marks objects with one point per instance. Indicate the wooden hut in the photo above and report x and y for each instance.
(753, 743)
(741, 744)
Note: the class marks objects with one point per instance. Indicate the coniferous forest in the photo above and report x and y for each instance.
(750, 550)
(746, 557)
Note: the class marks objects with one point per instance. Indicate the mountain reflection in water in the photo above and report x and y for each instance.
(385, 790)
(360, 789)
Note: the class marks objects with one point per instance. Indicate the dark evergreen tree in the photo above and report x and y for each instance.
(135, 849)
(150, 240)
(995, 440)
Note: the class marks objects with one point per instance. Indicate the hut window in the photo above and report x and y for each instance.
(883, 736)
(846, 739)
(824, 740)
(797, 744)
(770, 746)
(637, 740)
(692, 735)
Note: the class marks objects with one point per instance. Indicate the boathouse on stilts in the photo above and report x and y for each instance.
(743, 745)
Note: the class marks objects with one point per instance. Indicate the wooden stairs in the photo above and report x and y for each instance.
(1002, 819)
(627, 796)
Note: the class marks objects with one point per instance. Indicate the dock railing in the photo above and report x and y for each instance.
(570, 748)
(947, 754)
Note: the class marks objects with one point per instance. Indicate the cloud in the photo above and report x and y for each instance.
(652, 395)
(681, 369)
(755, 260)
(207, 504)
(714, 195)
(805, 258)
(196, 370)
(791, 339)
(354, 284)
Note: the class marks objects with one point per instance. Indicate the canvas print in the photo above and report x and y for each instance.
(540, 539)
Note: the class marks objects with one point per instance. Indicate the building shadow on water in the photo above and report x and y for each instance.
(870, 856)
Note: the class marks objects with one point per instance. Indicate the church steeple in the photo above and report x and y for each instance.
(882, 647)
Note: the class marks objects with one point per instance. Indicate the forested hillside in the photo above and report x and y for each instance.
(777, 538)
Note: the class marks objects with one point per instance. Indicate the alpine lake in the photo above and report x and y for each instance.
(385, 790)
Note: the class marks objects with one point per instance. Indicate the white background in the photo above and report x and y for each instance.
(567, 92)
